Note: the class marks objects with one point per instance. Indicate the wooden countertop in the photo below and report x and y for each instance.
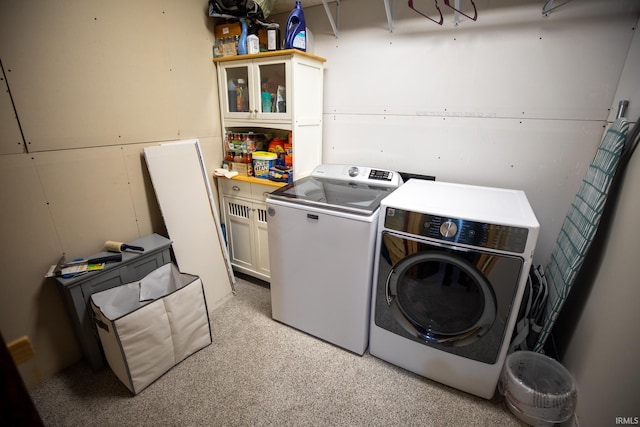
(253, 180)
(268, 54)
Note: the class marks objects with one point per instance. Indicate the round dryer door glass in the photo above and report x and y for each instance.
(442, 297)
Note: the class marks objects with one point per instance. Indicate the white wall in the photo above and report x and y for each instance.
(602, 352)
(598, 352)
(93, 83)
(512, 100)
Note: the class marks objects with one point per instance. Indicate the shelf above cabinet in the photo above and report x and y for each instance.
(269, 54)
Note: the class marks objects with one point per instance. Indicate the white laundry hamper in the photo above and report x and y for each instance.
(538, 389)
(147, 327)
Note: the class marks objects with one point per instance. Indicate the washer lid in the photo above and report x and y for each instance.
(340, 195)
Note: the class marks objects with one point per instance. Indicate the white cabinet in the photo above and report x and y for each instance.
(291, 82)
(245, 215)
(294, 79)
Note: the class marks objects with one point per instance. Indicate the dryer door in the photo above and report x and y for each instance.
(441, 297)
(455, 299)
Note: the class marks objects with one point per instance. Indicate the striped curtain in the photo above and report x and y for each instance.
(580, 224)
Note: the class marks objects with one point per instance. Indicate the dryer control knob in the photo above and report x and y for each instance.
(448, 229)
(353, 171)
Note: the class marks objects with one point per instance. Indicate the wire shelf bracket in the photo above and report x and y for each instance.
(549, 7)
(390, 9)
(335, 24)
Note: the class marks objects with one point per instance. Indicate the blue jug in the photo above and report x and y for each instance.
(296, 33)
(242, 41)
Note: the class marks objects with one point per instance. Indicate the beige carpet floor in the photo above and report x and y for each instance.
(259, 372)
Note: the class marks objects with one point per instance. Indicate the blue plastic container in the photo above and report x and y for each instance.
(296, 34)
(242, 41)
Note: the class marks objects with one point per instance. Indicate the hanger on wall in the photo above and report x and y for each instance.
(475, 11)
(455, 7)
(410, 2)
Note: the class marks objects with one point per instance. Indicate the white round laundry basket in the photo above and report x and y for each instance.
(537, 389)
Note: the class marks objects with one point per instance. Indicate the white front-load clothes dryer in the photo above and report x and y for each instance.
(451, 267)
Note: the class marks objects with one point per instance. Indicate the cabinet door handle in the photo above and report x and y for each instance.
(235, 188)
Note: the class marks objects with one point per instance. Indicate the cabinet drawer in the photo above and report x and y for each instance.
(102, 282)
(259, 192)
(235, 188)
(139, 269)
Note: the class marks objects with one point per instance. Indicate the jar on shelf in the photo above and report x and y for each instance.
(250, 142)
(242, 96)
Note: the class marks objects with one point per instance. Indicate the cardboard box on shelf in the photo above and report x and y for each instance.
(228, 30)
(243, 169)
(227, 47)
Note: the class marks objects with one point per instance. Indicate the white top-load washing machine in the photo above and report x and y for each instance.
(452, 262)
(322, 234)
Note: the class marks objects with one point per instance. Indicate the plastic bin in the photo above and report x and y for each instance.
(537, 389)
(148, 326)
(262, 162)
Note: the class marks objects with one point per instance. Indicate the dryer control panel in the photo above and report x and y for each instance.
(479, 234)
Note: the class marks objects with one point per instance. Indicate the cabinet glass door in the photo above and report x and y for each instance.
(272, 94)
(236, 81)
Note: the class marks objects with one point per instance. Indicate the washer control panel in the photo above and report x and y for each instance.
(479, 234)
(380, 175)
(359, 174)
